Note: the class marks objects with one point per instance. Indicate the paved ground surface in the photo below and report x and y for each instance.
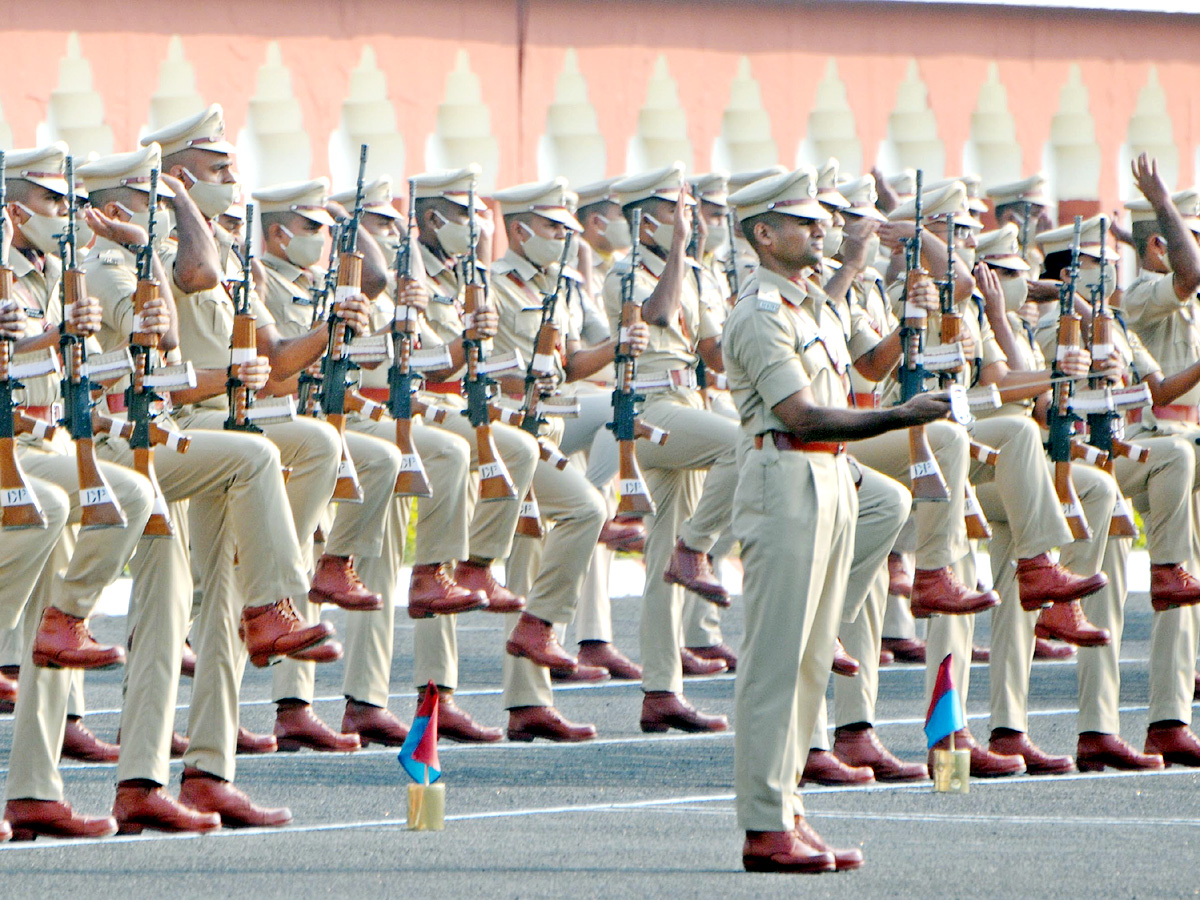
(636, 816)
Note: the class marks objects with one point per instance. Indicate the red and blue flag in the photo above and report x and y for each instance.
(419, 755)
(945, 714)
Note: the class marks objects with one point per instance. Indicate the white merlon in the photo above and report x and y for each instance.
(745, 141)
(912, 136)
(368, 117)
(661, 137)
(273, 146)
(1151, 132)
(992, 149)
(464, 127)
(176, 97)
(1072, 156)
(572, 144)
(75, 113)
(831, 127)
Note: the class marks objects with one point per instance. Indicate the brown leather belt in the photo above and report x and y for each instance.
(443, 387)
(45, 413)
(866, 401)
(1177, 412)
(784, 441)
(376, 394)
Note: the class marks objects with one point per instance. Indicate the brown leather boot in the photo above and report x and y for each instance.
(627, 535)
(980, 654)
(696, 667)
(1172, 585)
(822, 767)
(255, 744)
(906, 650)
(326, 652)
(1066, 622)
(941, 591)
(12, 673)
(187, 662)
(858, 746)
(1044, 649)
(79, 743)
(1174, 742)
(693, 571)
(144, 804)
(528, 722)
(900, 583)
(984, 763)
(455, 723)
(30, 818)
(1008, 742)
(579, 675)
(296, 726)
(1043, 581)
(208, 793)
(843, 860)
(843, 663)
(662, 710)
(477, 576)
(433, 592)
(535, 640)
(784, 851)
(5, 831)
(373, 724)
(276, 630)
(179, 744)
(1096, 750)
(63, 641)
(607, 656)
(721, 651)
(336, 582)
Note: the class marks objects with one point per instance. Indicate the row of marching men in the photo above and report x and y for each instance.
(457, 363)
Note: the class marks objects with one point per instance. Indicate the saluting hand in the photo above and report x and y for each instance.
(988, 283)
(113, 229)
(1149, 182)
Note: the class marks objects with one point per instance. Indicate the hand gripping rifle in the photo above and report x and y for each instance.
(494, 481)
(402, 380)
(635, 500)
(17, 500)
(1103, 423)
(1062, 416)
(310, 379)
(99, 508)
(148, 377)
(924, 474)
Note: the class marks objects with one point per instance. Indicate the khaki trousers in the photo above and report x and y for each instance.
(898, 621)
(593, 615)
(794, 514)
(312, 450)
(1099, 668)
(692, 507)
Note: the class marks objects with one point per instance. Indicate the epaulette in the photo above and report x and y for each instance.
(769, 299)
(502, 267)
(572, 274)
(441, 298)
(110, 258)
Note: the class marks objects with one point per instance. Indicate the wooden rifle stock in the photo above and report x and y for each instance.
(989, 456)
(1069, 335)
(19, 504)
(245, 349)
(413, 481)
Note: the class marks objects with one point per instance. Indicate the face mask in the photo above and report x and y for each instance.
(833, 241)
(1016, 291)
(42, 231)
(541, 251)
(304, 250)
(616, 232)
(389, 243)
(718, 238)
(664, 235)
(967, 255)
(455, 237)
(1090, 278)
(211, 199)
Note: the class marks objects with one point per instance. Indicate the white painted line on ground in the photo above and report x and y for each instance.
(961, 819)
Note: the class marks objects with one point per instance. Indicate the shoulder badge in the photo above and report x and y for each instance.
(110, 258)
(769, 299)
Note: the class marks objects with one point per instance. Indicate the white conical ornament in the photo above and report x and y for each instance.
(661, 138)
(176, 97)
(273, 146)
(75, 113)
(1151, 132)
(572, 145)
(368, 117)
(992, 149)
(1072, 156)
(912, 139)
(745, 141)
(831, 127)
(6, 134)
(464, 127)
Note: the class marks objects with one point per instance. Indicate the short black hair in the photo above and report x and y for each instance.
(771, 217)
(1142, 232)
(600, 206)
(105, 196)
(1054, 263)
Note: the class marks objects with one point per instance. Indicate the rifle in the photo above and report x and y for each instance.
(924, 474)
(147, 376)
(1102, 424)
(99, 508)
(1061, 415)
(20, 507)
(310, 378)
(412, 480)
(635, 500)
(541, 365)
(1026, 224)
(494, 481)
(731, 269)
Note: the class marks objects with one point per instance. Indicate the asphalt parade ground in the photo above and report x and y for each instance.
(632, 815)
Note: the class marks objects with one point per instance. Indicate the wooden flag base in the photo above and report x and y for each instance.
(951, 771)
(426, 807)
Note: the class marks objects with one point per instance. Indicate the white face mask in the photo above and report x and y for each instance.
(967, 255)
(455, 237)
(541, 251)
(616, 232)
(42, 231)
(664, 235)
(211, 199)
(389, 243)
(1090, 278)
(718, 238)
(303, 250)
(833, 241)
(1016, 292)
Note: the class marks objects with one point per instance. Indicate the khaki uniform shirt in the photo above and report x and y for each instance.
(518, 290)
(868, 296)
(1169, 329)
(289, 295)
(37, 291)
